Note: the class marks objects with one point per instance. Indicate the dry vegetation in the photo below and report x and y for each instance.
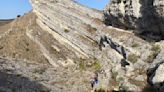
(16, 44)
(132, 58)
(89, 64)
(135, 45)
(91, 29)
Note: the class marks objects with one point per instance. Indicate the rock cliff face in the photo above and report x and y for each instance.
(60, 43)
(144, 15)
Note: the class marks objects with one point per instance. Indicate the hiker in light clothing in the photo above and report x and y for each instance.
(94, 79)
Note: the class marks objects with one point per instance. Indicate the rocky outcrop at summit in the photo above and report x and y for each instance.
(146, 16)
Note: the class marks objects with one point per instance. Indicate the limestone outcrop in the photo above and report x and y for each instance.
(60, 43)
(145, 16)
(71, 21)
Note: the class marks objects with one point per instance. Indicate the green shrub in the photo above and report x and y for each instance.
(66, 30)
(82, 65)
(134, 45)
(96, 65)
(120, 79)
(156, 48)
(132, 58)
(151, 57)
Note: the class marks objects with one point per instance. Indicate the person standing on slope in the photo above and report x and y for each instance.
(94, 79)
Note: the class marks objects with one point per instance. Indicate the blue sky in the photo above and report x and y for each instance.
(98, 4)
(11, 8)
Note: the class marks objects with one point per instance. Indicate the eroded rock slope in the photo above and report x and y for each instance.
(60, 43)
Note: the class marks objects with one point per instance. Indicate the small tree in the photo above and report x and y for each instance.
(18, 16)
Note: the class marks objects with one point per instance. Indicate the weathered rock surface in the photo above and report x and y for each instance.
(143, 15)
(60, 43)
(156, 76)
(26, 76)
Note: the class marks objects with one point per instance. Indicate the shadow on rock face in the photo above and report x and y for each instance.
(149, 89)
(150, 24)
(18, 83)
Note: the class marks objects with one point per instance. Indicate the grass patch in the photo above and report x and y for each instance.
(134, 45)
(133, 58)
(96, 65)
(151, 57)
(92, 64)
(120, 79)
(82, 65)
(156, 48)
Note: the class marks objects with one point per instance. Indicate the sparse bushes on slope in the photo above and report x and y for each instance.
(92, 64)
(66, 30)
(132, 58)
(156, 48)
(134, 45)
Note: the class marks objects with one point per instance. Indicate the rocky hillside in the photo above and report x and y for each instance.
(60, 43)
